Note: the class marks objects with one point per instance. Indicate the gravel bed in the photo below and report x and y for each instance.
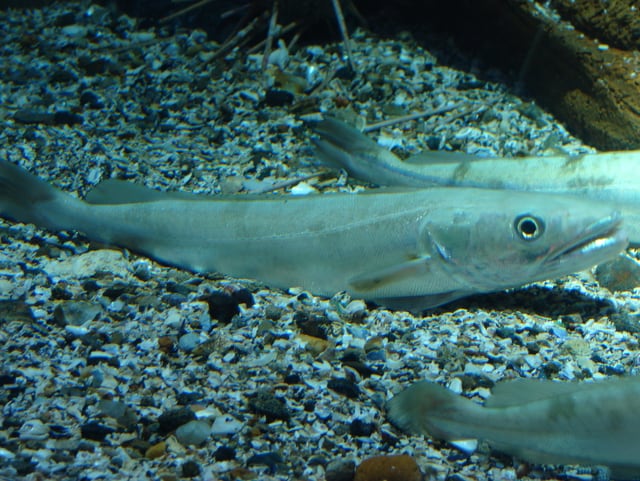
(116, 367)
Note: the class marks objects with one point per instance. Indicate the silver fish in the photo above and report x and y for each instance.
(412, 249)
(610, 176)
(587, 423)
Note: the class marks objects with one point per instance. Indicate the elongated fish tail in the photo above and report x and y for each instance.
(26, 198)
(338, 142)
(342, 146)
(430, 409)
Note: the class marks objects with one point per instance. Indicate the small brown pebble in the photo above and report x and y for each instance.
(156, 450)
(165, 344)
(241, 474)
(314, 345)
(388, 468)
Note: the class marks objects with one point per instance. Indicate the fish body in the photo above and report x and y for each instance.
(609, 177)
(588, 423)
(413, 249)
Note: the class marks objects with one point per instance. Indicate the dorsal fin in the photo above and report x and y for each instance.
(114, 191)
(523, 391)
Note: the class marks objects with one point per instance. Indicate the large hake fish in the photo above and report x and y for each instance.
(590, 423)
(413, 249)
(609, 176)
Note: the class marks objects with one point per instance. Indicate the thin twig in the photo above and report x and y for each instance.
(273, 23)
(286, 183)
(240, 38)
(344, 32)
(284, 30)
(414, 116)
(185, 10)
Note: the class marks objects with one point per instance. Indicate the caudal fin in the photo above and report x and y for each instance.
(430, 409)
(26, 198)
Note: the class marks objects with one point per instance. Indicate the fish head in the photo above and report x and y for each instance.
(527, 237)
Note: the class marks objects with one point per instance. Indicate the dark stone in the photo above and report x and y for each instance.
(174, 299)
(91, 100)
(94, 66)
(7, 379)
(292, 378)
(62, 75)
(174, 418)
(271, 460)
(57, 431)
(185, 398)
(95, 431)
(312, 325)
(23, 465)
(64, 117)
(551, 368)
(340, 470)
(626, 321)
(344, 386)
(224, 453)
(360, 428)
(616, 370)
(30, 116)
(620, 274)
(345, 73)
(532, 347)
(97, 357)
(61, 293)
(267, 404)
(362, 368)
(243, 296)
(222, 306)
(190, 469)
(278, 98)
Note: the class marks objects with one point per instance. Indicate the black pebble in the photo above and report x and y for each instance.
(23, 465)
(243, 296)
(312, 325)
(360, 428)
(224, 453)
(271, 460)
(174, 418)
(344, 386)
(345, 73)
(267, 404)
(30, 116)
(340, 470)
(190, 469)
(222, 306)
(292, 378)
(185, 398)
(92, 101)
(64, 117)
(95, 431)
(278, 98)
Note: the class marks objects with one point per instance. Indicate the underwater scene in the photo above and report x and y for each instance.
(319, 240)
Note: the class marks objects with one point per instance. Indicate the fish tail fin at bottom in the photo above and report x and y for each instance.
(26, 198)
(430, 409)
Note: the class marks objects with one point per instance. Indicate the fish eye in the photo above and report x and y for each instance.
(528, 227)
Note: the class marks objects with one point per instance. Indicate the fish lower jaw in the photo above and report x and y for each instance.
(601, 242)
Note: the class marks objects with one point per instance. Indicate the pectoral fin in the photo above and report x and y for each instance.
(389, 275)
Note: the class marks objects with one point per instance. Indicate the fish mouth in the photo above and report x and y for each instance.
(599, 242)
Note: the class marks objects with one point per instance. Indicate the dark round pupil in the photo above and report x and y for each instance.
(528, 227)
